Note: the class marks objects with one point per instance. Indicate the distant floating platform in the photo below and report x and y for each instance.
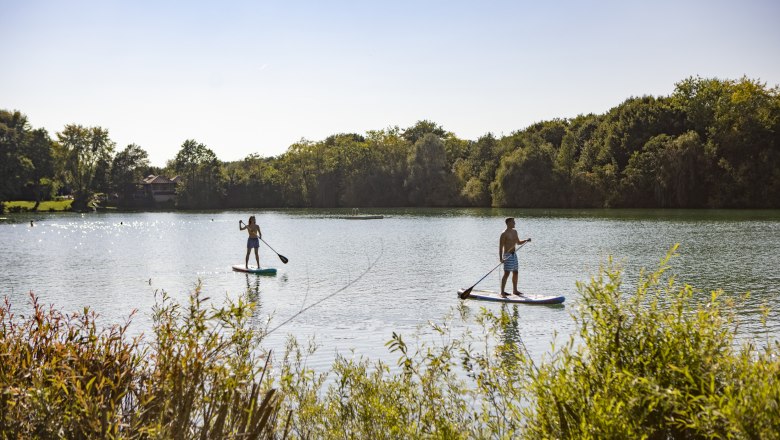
(361, 217)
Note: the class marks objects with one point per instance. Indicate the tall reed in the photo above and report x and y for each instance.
(61, 376)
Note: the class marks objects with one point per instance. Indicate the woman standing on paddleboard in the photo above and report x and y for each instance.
(253, 242)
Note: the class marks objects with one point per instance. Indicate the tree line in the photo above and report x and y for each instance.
(712, 143)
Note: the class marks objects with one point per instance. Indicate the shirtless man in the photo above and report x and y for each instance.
(506, 254)
(253, 242)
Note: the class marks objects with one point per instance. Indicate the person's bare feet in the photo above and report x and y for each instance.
(518, 293)
(504, 295)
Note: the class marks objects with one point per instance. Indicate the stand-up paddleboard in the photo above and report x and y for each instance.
(486, 295)
(254, 269)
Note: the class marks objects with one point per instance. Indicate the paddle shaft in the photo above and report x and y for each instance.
(486, 275)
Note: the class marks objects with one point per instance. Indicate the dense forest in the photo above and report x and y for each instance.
(711, 144)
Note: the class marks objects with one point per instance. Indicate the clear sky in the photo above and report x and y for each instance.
(253, 76)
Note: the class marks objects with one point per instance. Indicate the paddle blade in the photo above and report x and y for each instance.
(283, 258)
(463, 294)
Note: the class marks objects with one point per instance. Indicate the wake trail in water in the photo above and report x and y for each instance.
(329, 296)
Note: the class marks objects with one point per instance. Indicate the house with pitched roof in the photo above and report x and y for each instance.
(158, 189)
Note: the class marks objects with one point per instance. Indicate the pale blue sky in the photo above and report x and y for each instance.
(254, 77)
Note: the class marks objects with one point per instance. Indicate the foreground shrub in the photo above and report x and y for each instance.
(61, 377)
(658, 363)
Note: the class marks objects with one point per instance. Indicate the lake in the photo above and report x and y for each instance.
(375, 277)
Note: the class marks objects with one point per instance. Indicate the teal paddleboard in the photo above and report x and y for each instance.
(256, 270)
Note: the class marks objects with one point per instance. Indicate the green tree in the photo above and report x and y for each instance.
(253, 182)
(669, 172)
(525, 178)
(551, 132)
(429, 183)
(127, 169)
(738, 121)
(420, 129)
(202, 183)
(25, 159)
(477, 170)
(376, 170)
(627, 127)
(39, 151)
(13, 165)
(82, 152)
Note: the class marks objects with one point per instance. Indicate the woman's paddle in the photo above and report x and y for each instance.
(463, 294)
(281, 257)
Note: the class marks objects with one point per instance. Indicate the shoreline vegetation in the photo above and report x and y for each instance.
(657, 362)
(711, 143)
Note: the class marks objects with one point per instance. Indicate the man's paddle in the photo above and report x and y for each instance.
(463, 294)
(281, 257)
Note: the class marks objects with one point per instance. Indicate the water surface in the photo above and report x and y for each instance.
(378, 276)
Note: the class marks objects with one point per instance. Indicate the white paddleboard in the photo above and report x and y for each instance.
(525, 298)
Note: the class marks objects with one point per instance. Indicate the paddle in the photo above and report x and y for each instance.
(465, 293)
(281, 257)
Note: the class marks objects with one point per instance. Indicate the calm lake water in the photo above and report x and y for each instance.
(397, 273)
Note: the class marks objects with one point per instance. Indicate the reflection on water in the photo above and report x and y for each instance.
(253, 288)
(510, 331)
(114, 262)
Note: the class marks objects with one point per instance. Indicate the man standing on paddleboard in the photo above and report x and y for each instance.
(253, 242)
(507, 255)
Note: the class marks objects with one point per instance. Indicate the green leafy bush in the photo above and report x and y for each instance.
(658, 363)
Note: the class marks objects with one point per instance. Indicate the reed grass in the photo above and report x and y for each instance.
(63, 377)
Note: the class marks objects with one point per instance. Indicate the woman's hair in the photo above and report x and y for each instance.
(252, 220)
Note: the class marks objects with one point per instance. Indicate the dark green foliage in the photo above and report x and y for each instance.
(739, 123)
(476, 171)
(39, 152)
(429, 182)
(201, 184)
(253, 182)
(712, 143)
(83, 157)
(127, 170)
(526, 178)
(26, 165)
(420, 129)
(13, 163)
(670, 172)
